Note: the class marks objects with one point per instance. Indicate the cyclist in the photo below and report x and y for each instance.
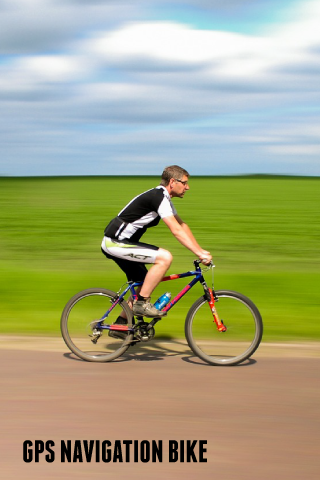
(121, 241)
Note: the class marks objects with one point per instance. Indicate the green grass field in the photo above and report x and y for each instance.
(263, 233)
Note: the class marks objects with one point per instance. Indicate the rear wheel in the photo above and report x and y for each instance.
(80, 330)
(242, 337)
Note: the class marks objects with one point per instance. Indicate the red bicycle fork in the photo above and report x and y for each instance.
(217, 321)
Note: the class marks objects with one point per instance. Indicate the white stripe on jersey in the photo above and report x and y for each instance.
(165, 209)
(131, 228)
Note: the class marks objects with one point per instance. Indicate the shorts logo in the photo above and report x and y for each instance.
(138, 257)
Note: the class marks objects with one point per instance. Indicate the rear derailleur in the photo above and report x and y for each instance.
(95, 331)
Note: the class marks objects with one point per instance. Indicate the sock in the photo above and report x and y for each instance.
(121, 321)
(142, 299)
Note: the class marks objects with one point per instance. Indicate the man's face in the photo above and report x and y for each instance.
(179, 187)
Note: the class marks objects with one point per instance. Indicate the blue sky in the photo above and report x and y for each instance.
(108, 87)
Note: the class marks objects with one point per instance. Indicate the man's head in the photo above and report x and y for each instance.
(175, 179)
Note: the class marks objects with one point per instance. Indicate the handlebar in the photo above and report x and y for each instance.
(198, 262)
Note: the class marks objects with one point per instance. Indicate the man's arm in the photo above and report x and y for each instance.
(186, 228)
(184, 235)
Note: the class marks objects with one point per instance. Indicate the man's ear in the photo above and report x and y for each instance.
(171, 182)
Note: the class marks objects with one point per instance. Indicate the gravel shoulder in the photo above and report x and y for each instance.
(172, 347)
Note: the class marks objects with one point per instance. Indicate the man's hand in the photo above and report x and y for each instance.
(205, 257)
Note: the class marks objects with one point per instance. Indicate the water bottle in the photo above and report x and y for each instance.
(163, 301)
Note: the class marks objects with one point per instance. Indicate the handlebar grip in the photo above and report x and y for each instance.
(203, 261)
(198, 261)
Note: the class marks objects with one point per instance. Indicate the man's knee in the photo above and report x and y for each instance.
(164, 256)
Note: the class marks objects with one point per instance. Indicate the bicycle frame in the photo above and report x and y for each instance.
(198, 277)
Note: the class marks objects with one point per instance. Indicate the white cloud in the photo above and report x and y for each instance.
(168, 42)
(52, 68)
(225, 54)
(296, 149)
(39, 77)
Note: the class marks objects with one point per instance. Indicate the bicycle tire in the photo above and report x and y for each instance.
(242, 337)
(77, 318)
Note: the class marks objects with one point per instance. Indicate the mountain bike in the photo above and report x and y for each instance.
(222, 327)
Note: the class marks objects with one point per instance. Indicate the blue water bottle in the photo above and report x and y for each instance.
(163, 301)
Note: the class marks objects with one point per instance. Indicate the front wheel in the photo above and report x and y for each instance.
(78, 325)
(242, 337)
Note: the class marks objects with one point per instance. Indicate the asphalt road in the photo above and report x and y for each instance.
(258, 421)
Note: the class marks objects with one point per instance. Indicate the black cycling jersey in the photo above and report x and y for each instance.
(143, 212)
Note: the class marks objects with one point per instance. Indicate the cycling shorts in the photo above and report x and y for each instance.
(130, 256)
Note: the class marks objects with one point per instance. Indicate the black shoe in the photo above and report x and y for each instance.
(117, 334)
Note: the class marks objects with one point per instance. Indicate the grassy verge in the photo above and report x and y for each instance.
(262, 231)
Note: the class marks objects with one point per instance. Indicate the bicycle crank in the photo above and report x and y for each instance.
(144, 331)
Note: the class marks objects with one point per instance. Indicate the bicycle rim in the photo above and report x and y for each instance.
(243, 334)
(79, 320)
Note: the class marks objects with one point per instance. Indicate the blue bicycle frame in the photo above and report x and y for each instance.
(132, 285)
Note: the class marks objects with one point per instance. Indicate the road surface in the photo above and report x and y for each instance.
(257, 421)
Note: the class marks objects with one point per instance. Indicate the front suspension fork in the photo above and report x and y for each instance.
(211, 299)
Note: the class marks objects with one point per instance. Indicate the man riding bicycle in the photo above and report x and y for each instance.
(121, 241)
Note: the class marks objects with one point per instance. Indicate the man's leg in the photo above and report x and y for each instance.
(130, 303)
(153, 278)
(132, 258)
(156, 272)
(142, 306)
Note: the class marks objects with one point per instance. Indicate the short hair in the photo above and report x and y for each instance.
(172, 171)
